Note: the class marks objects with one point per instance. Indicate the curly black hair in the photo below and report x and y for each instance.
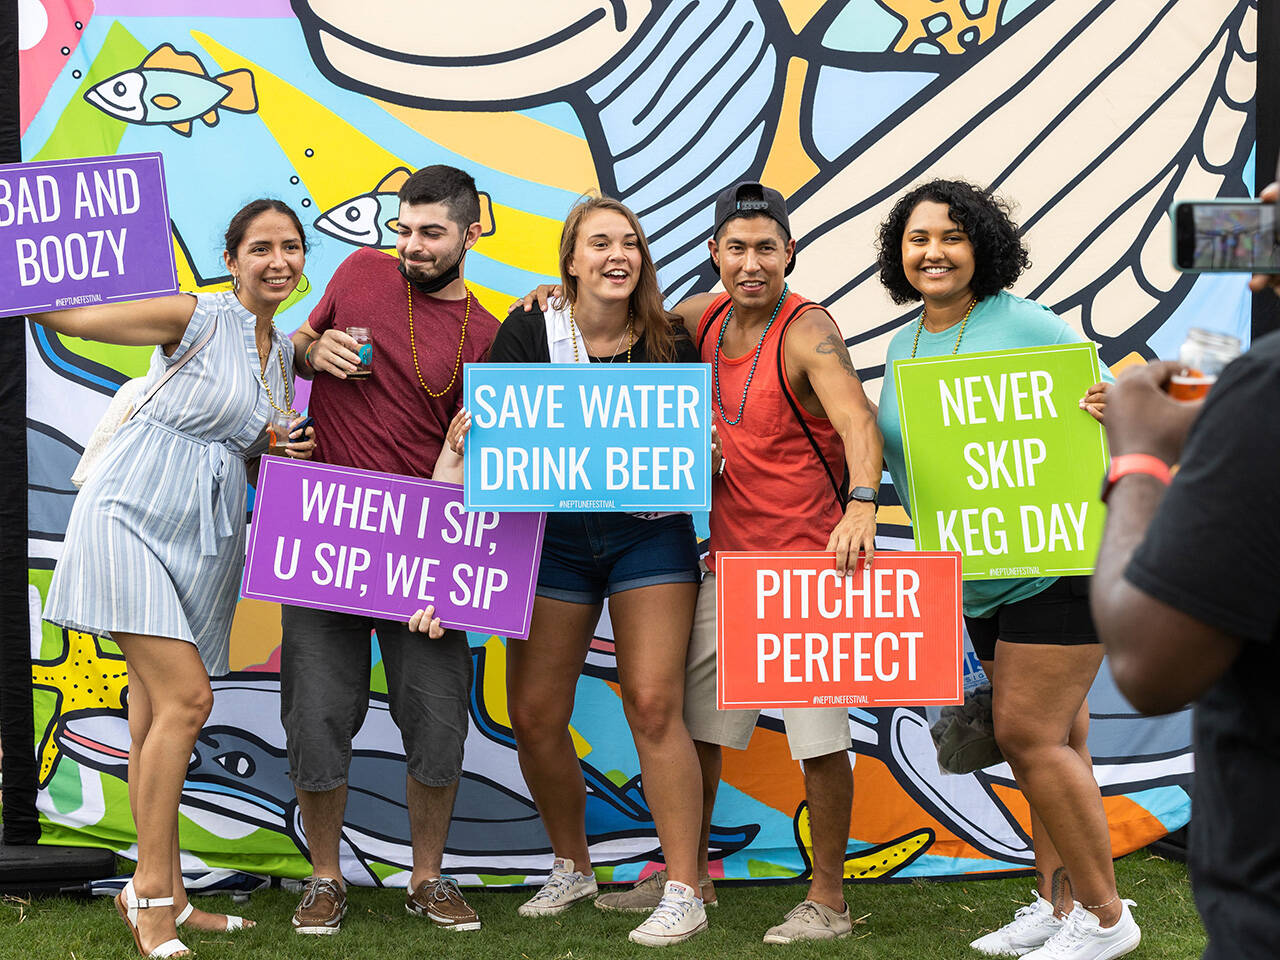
(999, 256)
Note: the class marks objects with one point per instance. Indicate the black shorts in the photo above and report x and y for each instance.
(1059, 615)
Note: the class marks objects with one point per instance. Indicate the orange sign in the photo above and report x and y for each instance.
(791, 632)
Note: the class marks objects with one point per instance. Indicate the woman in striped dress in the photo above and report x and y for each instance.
(155, 545)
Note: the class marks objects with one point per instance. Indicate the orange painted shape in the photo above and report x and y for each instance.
(255, 633)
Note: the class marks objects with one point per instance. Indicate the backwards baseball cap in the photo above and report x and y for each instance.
(750, 198)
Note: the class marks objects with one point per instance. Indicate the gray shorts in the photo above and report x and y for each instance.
(811, 731)
(324, 694)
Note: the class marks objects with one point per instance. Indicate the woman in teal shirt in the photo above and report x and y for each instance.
(954, 246)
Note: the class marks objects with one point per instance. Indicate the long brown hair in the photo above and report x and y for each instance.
(650, 317)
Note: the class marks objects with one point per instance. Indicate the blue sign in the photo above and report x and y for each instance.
(575, 436)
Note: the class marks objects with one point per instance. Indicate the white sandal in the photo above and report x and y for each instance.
(233, 922)
(128, 908)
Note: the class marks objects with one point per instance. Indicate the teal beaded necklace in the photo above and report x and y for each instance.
(715, 367)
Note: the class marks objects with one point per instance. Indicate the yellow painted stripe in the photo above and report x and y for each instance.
(509, 142)
(523, 240)
(789, 167)
(341, 162)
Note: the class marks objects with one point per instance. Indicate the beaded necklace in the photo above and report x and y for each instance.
(715, 367)
(628, 333)
(920, 326)
(413, 346)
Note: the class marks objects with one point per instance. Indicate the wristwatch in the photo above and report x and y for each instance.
(865, 495)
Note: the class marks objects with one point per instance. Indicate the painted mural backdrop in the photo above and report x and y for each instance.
(1090, 116)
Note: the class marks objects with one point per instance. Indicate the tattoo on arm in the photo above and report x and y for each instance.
(832, 345)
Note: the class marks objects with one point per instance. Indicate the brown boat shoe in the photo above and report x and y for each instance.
(323, 905)
(441, 902)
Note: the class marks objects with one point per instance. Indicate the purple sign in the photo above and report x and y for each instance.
(337, 538)
(91, 230)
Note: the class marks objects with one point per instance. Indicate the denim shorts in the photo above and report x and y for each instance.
(1058, 615)
(589, 556)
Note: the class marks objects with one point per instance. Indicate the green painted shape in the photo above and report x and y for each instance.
(384, 870)
(1031, 519)
(83, 130)
(378, 678)
(44, 708)
(64, 787)
(131, 361)
(617, 777)
(605, 874)
(762, 868)
(506, 879)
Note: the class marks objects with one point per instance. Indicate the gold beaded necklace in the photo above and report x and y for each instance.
(628, 333)
(920, 326)
(413, 345)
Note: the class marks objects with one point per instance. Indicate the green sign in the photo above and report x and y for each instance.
(1002, 463)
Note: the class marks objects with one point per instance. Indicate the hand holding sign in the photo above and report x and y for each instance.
(426, 621)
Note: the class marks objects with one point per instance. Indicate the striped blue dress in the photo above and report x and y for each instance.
(155, 544)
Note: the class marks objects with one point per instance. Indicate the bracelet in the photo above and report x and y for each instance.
(306, 356)
(1130, 463)
(720, 469)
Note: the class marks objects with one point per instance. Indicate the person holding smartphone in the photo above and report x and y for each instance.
(1185, 601)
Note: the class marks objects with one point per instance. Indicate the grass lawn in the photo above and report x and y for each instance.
(913, 921)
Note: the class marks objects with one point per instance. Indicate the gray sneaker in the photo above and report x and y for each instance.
(643, 896)
(811, 921)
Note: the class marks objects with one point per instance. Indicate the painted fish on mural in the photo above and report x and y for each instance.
(173, 88)
(369, 219)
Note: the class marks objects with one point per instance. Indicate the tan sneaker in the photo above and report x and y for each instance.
(323, 905)
(643, 896)
(811, 920)
(441, 902)
(565, 887)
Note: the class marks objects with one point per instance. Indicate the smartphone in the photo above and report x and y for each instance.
(306, 422)
(1225, 236)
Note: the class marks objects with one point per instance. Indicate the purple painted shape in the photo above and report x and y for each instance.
(84, 231)
(194, 8)
(337, 538)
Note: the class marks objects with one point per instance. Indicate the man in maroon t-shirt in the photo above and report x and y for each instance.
(422, 324)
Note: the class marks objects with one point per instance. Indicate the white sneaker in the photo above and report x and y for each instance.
(678, 916)
(1082, 938)
(1031, 926)
(563, 889)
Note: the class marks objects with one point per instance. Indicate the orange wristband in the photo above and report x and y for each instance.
(1129, 463)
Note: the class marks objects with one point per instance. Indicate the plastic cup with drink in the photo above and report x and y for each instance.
(1203, 355)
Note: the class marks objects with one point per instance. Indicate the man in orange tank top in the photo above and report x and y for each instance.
(790, 416)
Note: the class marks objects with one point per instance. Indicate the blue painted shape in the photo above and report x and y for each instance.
(571, 437)
(849, 103)
(1220, 302)
(863, 26)
(1170, 805)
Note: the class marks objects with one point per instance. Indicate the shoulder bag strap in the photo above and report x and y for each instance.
(841, 489)
(208, 335)
(711, 322)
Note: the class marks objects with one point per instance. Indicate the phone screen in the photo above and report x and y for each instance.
(1228, 237)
